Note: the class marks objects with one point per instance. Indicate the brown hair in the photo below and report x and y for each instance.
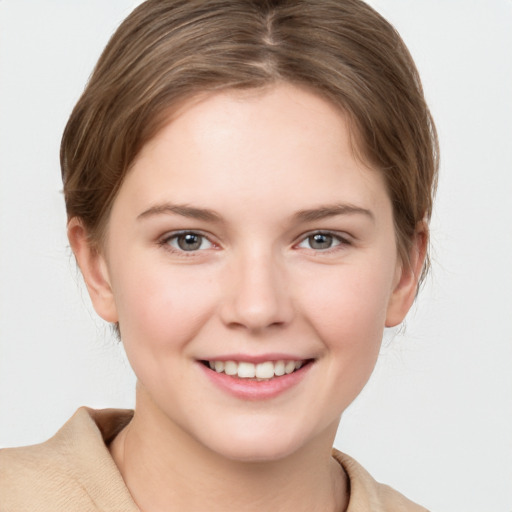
(169, 50)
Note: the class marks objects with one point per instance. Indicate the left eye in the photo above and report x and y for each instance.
(320, 241)
(189, 242)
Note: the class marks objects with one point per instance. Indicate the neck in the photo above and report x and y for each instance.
(162, 465)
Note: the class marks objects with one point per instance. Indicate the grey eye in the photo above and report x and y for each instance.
(189, 242)
(320, 241)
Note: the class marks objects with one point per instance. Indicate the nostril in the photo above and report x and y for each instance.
(257, 298)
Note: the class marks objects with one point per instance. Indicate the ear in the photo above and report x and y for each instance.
(407, 278)
(94, 270)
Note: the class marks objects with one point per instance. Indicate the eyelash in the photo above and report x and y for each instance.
(340, 242)
(165, 242)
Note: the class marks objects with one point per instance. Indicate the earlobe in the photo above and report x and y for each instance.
(408, 276)
(94, 270)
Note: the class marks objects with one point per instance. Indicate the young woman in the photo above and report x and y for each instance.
(248, 187)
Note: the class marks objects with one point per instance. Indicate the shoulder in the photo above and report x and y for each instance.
(71, 471)
(34, 474)
(368, 494)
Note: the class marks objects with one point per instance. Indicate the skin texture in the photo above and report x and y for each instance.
(256, 286)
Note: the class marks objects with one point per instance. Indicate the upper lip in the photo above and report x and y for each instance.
(255, 359)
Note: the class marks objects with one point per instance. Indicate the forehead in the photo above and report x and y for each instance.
(255, 146)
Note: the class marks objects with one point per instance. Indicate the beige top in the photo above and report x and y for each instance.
(73, 471)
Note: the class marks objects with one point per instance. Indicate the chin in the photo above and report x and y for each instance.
(265, 444)
(257, 452)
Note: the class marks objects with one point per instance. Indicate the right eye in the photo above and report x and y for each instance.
(188, 242)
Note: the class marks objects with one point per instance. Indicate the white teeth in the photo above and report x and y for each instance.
(260, 371)
(289, 367)
(265, 370)
(230, 368)
(279, 368)
(246, 370)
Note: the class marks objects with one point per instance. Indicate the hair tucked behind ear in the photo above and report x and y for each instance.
(169, 50)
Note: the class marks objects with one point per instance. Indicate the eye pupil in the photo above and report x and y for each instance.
(189, 242)
(320, 241)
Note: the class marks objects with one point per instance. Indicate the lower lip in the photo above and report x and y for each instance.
(247, 389)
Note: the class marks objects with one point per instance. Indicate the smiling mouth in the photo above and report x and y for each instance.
(264, 371)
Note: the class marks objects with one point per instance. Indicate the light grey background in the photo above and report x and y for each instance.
(436, 419)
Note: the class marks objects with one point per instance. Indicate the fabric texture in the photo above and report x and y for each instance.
(73, 471)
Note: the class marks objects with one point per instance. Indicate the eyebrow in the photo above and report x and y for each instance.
(183, 210)
(324, 212)
(204, 214)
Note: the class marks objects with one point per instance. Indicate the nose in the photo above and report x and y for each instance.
(257, 295)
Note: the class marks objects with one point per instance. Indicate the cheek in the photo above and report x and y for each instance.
(349, 320)
(347, 309)
(358, 297)
(160, 312)
(161, 309)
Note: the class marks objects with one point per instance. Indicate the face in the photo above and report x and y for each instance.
(251, 263)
